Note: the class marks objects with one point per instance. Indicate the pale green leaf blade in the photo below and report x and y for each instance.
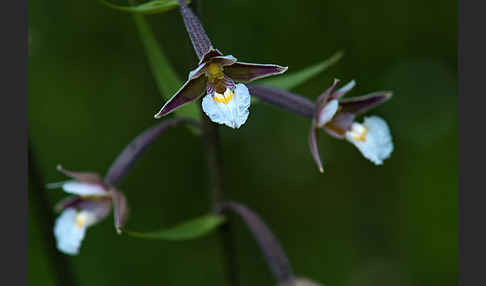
(166, 78)
(289, 81)
(152, 7)
(189, 230)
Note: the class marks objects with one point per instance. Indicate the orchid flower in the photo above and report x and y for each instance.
(220, 77)
(337, 116)
(90, 203)
(93, 196)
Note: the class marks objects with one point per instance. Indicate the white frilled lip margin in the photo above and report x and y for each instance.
(233, 112)
(377, 144)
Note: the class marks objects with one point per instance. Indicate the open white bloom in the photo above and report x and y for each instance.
(372, 138)
(89, 206)
(91, 202)
(221, 79)
(230, 108)
(70, 229)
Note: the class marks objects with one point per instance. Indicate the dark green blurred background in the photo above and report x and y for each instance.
(91, 91)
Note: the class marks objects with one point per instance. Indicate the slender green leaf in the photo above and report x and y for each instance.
(166, 78)
(189, 230)
(289, 81)
(152, 7)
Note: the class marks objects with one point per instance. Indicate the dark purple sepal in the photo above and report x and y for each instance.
(340, 123)
(197, 72)
(99, 207)
(314, 148)
(120, 209)
(211, 53)
(190, 91)
(325, 96)
(201, 68)
(361, 104)
(224, 60)
(68, 202)
(246, 72)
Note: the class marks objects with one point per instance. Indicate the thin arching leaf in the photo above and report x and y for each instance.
(166, 78)
(291, 80)
(152, 7)
(188, 230)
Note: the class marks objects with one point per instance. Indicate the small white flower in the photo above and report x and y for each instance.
(327, 113)
(230, 108)
(372, 138)
(91, 202)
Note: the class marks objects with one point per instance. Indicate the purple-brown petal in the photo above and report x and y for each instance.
(85, 177)
(340, 123)
(210, 54)
(361, 104)
(120, 209)
(324, 97)
(190, 91)
(246, 72)
(224, 60)
(71, 201)
(197, 72)
(313, 147)
(99, 207)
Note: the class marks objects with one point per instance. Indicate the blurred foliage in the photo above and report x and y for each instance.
(91, 91)
(150, 7)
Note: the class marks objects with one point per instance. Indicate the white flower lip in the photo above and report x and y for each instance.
(70, 229)
(84, 189)
(372, 138)
(69, 234)
(327, 113)
(230, 108)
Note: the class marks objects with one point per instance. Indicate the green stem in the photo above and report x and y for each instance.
(213, 150)
(212, 144)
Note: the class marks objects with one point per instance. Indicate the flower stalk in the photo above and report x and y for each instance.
(214, 159)
(272, 251)
(132, 152)
(200, 41)
(284, 99)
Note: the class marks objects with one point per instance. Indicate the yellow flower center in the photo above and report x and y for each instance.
(80, 219)
(358, 132)
(223, 98)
